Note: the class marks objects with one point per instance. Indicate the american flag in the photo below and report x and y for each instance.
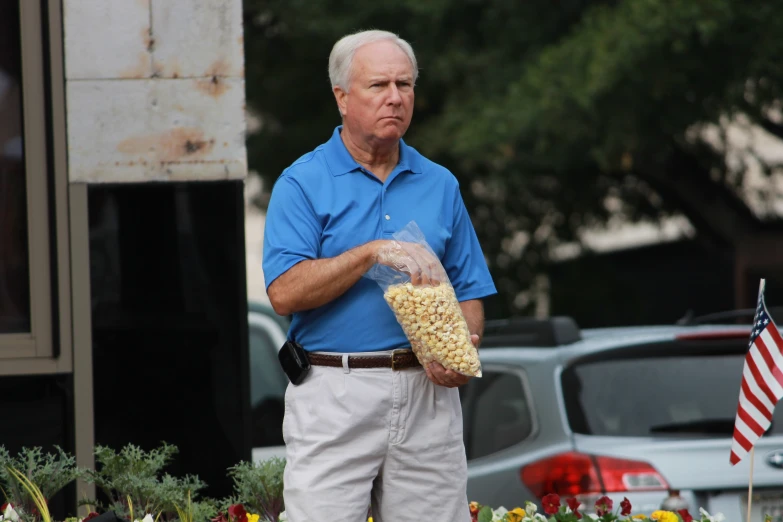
(762, 382)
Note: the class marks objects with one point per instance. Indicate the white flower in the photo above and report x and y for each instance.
(498, 514)
(539, 517)
(530, 508)
(283, 517)
(717, 517)
(9, 514)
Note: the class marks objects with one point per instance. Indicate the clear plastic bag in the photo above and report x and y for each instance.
(418, 290)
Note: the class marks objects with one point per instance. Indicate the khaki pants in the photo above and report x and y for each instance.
(361, 435)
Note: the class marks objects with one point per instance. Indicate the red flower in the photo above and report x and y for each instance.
(574, 504)
(474, 507)
(603, 506)
(551, 503)
(686, 517)
(625, 505)
(2, 508)
(237, 513)
(90, 516)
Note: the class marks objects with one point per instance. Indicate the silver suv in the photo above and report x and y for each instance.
(645, 413)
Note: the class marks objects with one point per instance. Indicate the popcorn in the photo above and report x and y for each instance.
(435, 326)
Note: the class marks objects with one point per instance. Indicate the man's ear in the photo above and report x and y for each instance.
(342, 99)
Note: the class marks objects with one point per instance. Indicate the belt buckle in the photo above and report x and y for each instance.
(393, 361)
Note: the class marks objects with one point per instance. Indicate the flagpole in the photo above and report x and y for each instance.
(750, 484)
(753, 448)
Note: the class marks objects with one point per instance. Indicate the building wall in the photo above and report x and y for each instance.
(138, 289)
(155, 90)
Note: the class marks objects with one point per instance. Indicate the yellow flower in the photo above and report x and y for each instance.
(252, 517)
(516, 514)
(664, 516)
(369, 519)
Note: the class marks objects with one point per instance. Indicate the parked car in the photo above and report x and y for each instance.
(267, 333)
(645, 413)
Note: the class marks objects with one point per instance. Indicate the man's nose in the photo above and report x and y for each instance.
(394, 95)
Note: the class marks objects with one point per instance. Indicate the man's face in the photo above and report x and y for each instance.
(379, 106)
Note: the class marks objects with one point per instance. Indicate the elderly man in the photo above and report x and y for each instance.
(368, 424)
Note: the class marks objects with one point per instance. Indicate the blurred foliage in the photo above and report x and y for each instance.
(555, 115)
(133, 481)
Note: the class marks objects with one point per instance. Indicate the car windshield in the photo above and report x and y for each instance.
(658, 394)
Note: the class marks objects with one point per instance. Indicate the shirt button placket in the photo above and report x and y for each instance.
(385, 217)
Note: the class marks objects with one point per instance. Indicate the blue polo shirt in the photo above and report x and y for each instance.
(325, 203)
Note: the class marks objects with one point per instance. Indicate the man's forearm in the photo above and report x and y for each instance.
(313, 283)
(473, 311)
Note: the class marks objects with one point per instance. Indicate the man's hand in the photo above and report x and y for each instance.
(411, 258)
(448, 378)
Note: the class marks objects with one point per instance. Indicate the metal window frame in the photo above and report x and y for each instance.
(47, 348)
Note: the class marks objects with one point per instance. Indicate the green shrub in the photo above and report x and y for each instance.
(260, 487)
(49, 472)
(134, 480)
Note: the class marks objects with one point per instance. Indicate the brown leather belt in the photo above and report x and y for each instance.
(397, 360)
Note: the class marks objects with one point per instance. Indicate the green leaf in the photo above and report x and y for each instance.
(485, 514)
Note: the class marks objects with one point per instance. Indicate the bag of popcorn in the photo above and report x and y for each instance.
(419, 292)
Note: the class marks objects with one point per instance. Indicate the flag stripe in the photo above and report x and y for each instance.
(769, 369)
(775, 334)
(761, 381)
(752, 410)
(738, 451)
(747, 420)
(733, 458)
(754, 400)
(741, 427)
(755, 391)
(772, 355)
(741, 441)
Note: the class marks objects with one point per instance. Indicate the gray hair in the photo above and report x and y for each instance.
(341, 57)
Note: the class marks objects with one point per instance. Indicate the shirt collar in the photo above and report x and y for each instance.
(341, 162)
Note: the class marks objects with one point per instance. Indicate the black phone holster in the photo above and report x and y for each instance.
(294, 361)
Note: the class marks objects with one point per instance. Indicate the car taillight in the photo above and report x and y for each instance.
(572, 474)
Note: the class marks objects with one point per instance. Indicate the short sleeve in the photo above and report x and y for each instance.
(292, 232)
(464, 260)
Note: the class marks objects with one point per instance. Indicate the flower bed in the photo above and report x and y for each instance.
(573, 510)
(134, 488)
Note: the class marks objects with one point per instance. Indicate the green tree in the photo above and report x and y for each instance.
(554, 116)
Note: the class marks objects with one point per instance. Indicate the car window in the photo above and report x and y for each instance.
(495, 413)
(656, 396)
(267, 389)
